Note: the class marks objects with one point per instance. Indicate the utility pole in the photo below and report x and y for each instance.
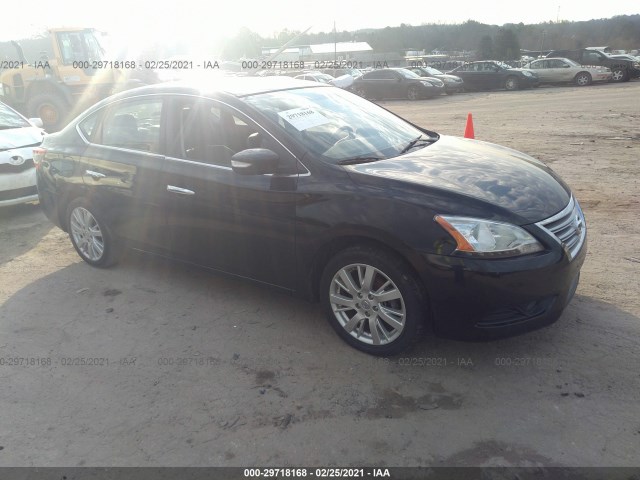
(335, 43)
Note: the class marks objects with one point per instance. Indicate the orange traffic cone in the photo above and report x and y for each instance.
(468, 130)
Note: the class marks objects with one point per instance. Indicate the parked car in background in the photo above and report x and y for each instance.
(315, 77)
(491, 75)
(396, 83)
(315, 191)
(621, 69)
(452, 83)
(635, 63)
(559, 70)
(18, 137)
(338, 72)
(345, 81)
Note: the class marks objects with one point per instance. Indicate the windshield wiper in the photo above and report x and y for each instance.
(413, 143)
(356, 160)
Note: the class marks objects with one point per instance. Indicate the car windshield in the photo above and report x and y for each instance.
(323, 77)
(338, 126)
(10, 119)
(433, 71)
(407, 73)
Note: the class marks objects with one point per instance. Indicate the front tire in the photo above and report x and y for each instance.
(51, 108)
(511, 84)
(413, 93)
(90, 235)
(373, 300)
(583, 79)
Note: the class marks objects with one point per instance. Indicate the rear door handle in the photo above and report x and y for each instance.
(95, 175)
(179, 191)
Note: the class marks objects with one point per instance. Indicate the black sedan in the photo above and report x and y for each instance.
(452, 83)
(315, 191)
(396, 83)
(491, 75)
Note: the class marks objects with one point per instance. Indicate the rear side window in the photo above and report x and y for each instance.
(88, 126)
(134, 125)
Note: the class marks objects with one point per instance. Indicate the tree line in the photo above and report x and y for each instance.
(487, 41)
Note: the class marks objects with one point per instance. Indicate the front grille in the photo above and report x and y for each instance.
(568, 227)
(8, 168)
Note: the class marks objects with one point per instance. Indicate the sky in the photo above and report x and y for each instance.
(151, 21)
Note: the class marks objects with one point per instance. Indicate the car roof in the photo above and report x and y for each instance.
(235, 86)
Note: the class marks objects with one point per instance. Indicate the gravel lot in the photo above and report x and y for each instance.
(194, 369)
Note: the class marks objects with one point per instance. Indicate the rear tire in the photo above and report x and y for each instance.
(360, 91)
(619, 75)
(373, 300)
(90, 234)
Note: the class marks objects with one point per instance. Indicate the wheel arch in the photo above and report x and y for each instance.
(66, 198)
(335, 245)
(582, 72)
(514, 77)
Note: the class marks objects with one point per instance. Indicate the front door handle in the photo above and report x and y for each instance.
(95, 175)
(179, 191)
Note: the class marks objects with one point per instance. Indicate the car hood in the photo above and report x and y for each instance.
(20, 137)
(484, 171)
(448, 77)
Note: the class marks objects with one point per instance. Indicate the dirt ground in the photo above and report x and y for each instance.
(184, 368)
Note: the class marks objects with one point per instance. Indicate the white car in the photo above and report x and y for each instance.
(18, 138)
(558, 70)
(344, 81)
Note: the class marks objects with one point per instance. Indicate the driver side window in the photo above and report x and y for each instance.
(205, 131)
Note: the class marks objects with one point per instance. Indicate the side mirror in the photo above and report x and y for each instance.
(566, 66)
(36, 122)
(255, 161)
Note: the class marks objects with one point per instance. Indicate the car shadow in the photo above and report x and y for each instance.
(119, 353)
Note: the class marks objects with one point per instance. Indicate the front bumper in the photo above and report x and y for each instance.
(483, 299)
(456, 87)
(432, 91)
(17, 188)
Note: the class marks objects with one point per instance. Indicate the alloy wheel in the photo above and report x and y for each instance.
(87, 234)
(367, 304)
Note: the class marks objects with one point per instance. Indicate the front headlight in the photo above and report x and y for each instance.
(486, 238)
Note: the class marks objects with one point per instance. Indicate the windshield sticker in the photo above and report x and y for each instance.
(303, 118)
